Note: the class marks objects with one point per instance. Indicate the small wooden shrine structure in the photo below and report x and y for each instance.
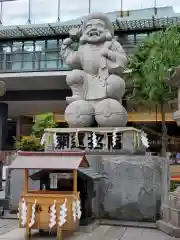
(46, 209)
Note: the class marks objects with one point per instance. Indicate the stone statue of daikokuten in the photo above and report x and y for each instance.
(97, 60)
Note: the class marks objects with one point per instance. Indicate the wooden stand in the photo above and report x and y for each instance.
(45, 199)
(59, 233)
(42, 200)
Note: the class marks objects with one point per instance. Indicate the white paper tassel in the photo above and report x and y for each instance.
(43, 139)
(52, 220)
(32, 221)
(94, 138)
(55, 142)
(63, 214)
(138, 139)
(78, 209)
(77, 138)
(144, 139)
(74, 210)
(23, 212)
(114, 138)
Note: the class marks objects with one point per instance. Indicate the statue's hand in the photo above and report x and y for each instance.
(75, 34)
(71, 42)
(67, 41)
(105, 52)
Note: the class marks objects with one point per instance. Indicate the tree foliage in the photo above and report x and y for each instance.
(157, 55)
(43, 121)
(154, 61)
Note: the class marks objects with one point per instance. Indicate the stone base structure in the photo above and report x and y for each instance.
(133, 184)
(170, 222)
(132, 187)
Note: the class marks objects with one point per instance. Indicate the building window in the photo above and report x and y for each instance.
(53, 54)
(53, 180)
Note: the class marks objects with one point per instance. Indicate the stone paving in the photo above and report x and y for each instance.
(7, 226)
(9, 231)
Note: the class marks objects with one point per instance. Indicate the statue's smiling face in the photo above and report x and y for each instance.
(95, 31)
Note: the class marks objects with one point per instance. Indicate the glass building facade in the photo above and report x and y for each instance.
(17, 56)
(42, 55)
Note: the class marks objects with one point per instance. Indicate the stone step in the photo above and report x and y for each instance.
(168, 228)
(151, 225)
(171, 215)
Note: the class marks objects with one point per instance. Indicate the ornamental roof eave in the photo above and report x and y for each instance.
(35, 30)
(54, 29)
(146, 23)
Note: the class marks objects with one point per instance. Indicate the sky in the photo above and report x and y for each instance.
(46, 11)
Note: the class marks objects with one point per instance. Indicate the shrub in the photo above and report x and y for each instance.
(29, 143)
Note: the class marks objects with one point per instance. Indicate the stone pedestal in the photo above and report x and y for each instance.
(133, 184)
(91, 140)
(132, 187)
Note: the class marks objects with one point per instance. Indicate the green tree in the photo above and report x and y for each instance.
(150, 66)
(43, 121)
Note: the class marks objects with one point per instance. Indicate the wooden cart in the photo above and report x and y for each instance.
(45, 209)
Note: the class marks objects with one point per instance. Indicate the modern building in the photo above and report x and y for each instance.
(35, 76)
